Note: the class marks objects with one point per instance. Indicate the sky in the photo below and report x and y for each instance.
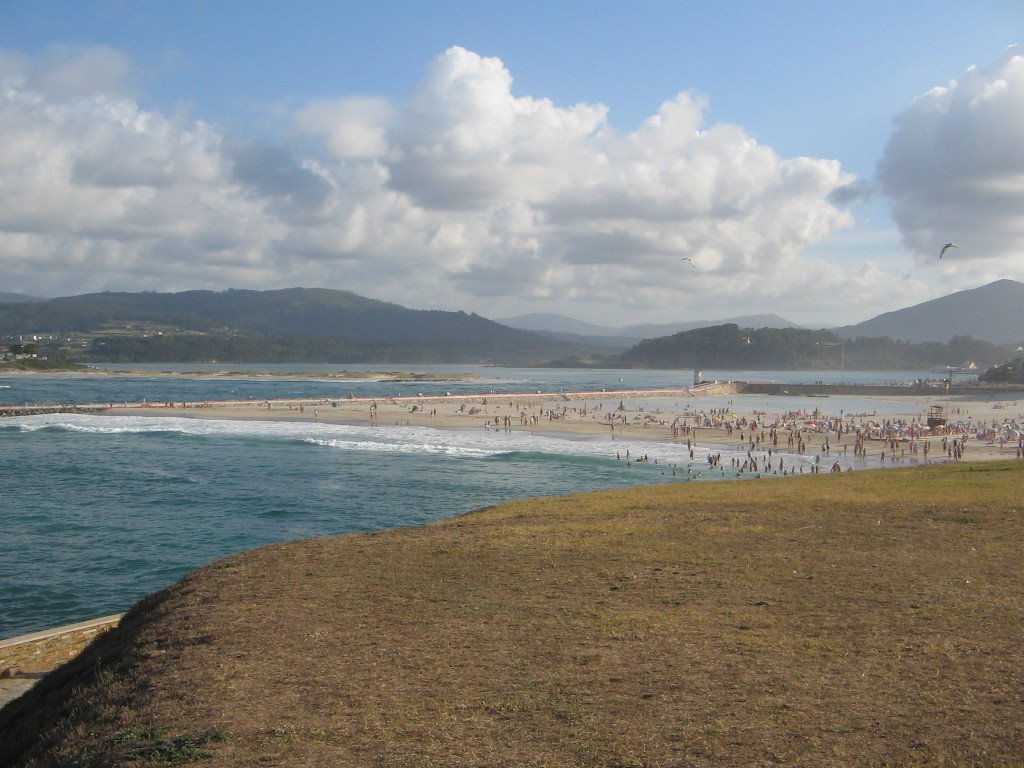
(610, 161)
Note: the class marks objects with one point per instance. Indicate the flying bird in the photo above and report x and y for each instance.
(687, 258)
(946, 247)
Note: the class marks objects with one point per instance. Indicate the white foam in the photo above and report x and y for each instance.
(384, 439)
(410, 448)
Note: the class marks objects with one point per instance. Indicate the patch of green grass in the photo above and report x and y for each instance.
(154, 746)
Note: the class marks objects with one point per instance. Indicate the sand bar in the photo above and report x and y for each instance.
(712, 416)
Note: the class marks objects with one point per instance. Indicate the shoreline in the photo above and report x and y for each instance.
(580, 415)
(893, 439)
(987, 421)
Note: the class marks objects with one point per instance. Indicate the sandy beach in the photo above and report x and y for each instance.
(712, 417)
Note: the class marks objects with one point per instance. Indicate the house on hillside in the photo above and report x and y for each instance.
(18, 352)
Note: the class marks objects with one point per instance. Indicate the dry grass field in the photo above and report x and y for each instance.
(868, 619)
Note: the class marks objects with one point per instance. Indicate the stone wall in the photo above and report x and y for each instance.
(709, 388)
(42, 651)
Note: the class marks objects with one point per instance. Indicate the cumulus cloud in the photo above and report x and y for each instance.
(352, 128)
(855, 192)
(73, 72)
(274, 173)
(466, 195)
(954, 169)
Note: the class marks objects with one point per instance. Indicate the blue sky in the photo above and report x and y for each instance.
(814, 80)
(797, 76)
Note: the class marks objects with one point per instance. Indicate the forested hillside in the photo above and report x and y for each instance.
(320, 325)
(731, 347)
(293, 325)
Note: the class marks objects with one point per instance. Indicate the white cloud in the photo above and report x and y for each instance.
(954, 168)
(73, 72)
(465, 196)
(352, 128)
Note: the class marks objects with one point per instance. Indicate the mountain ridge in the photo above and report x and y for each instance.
(329, 325)
(229, 325)
(19, 298)
(989, 312)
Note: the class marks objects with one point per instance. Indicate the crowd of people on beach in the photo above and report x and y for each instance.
(895, 440)
(755, 442)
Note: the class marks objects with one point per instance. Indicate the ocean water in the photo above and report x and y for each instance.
(98, 511)
(20, 389)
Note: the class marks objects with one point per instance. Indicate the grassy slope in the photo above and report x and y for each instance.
(869, 619)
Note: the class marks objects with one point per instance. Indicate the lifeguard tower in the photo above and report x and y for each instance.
(936, 416)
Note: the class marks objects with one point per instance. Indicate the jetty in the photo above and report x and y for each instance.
(36, 410)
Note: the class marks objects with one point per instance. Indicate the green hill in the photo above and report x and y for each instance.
(297, 324)
(731, 347)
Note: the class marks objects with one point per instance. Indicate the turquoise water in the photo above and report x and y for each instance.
(99, 511)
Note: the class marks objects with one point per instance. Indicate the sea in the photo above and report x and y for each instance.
(98, 511)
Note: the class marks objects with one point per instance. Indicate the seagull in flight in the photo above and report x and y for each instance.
(687, 258)
(946, 247)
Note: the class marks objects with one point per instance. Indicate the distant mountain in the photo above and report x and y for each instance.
(296, 324)
(540, 321)
(18, 298)
(561, 326)
(608, 344)
(653, 331)
(993, 312)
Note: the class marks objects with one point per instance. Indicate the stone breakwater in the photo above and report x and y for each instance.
(820, 390)
(36, 410)
(873, 390)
